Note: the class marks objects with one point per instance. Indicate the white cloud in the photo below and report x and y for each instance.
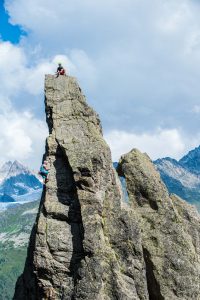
(131, 54)
(12, 62)
(196, 109)
(18, 73)
(175, 15)
(137, 60)
(158, 144)
(15, 73)
(22, 137)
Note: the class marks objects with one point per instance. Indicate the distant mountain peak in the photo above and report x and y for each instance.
(166, 159)
(192, 153)
(9, 169)
(182, 177)
(18, 167)
(6, 165)
(16, 180)
(191, 161)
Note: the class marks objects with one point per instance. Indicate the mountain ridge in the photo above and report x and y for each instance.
(182, 176)
(12, 168)
(192, 160)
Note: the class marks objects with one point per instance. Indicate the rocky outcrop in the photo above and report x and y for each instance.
(87, 242)
(170, 230)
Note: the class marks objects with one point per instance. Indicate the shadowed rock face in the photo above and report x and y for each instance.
(87, 243)
(170, 231)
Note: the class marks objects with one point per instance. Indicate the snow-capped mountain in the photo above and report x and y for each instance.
(11, 169)
(17, 180)
(182, 177)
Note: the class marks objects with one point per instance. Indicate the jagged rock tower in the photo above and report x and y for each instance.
(87, 243)
(83, 244)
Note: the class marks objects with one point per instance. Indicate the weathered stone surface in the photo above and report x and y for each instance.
(170, 231)
(86, 241)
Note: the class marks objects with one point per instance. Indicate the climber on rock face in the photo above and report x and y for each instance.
(44, 171)
(60, 70)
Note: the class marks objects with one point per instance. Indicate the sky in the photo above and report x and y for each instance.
(137, 61)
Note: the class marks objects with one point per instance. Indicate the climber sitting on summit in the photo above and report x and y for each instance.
(60, 70)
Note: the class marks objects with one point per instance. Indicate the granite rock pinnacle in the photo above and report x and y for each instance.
(87, 241)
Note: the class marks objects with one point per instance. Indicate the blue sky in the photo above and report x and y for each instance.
(137, 61)
(8, 31)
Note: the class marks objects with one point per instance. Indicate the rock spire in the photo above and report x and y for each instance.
(88, 242)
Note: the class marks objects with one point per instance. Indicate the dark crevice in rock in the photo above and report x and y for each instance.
(145, 195)
(49, 118)
(85, 172)
(119, 169)
(66, 186)
(153, 285)
(67, 195)
(143, 198)
(153, 204)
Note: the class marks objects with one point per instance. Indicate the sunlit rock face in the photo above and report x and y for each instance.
(85, 243)
(170, 230)
(88, 242)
